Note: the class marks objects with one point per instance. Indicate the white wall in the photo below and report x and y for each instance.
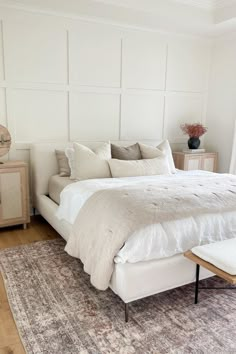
(66, 79)
(221, 112)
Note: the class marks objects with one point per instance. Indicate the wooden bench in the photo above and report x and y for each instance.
(212, 252)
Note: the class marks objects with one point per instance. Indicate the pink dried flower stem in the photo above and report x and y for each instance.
(193, 130)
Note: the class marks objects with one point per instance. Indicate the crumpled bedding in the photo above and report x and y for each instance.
(111, 216)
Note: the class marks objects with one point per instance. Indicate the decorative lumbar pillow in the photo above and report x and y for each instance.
(150, 152)
(70, 154)
(131, 152)
(63, 165)
(148, 167)
(92, 163)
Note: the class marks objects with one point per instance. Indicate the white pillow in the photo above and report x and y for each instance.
(92, 163)
(150, 152)
(132, 168)
(70, 154)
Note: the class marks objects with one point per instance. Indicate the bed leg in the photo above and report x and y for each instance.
(126, 312)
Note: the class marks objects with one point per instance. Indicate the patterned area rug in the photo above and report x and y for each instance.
(57, 311)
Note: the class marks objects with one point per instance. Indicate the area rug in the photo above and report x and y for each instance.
(57, 311)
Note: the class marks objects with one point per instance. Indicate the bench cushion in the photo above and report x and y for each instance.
(221, 254)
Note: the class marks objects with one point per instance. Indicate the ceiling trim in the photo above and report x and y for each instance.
(209, 5)
(172, 15)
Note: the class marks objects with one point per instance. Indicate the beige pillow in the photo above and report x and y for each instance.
(150, 152)
(63, 165)
(131, 152)
(70, 154)
(149, 167)
(92, 163)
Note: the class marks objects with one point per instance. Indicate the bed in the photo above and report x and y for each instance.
(130, 281)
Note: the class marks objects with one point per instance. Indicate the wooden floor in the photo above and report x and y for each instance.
(38, 230)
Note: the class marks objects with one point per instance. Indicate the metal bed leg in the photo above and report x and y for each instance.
(197, 283)
(126, 312)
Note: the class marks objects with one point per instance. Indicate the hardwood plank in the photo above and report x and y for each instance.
(3, 295)
(8, 331)
(16, 348)
(38, 230)
(9, 238)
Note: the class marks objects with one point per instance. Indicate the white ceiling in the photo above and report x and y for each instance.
(198, 17)
(208, 4)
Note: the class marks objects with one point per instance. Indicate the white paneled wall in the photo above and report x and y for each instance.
(144, 62)
(94, 116)
(94, 58)
(139, 112)
(35, 54)
(2, 107)
(179, 109)
(1, 53)
(221, 108)
(64, 79)
(37, 114)
(187, 67)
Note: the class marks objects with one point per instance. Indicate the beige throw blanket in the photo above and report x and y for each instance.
(109, 217)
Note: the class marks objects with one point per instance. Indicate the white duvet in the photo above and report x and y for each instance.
(161, 240)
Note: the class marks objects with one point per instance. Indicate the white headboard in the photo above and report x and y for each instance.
(44, 164)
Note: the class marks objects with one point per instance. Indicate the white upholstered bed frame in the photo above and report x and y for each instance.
(130, 281)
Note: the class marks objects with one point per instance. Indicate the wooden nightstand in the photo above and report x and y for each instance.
(206, 161)
(14, 194)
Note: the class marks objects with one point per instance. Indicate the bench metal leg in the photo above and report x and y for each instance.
(126, 312)
(197, 283)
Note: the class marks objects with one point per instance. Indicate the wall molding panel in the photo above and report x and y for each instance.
(136, 108)
(2, 57)
(94, 116)
(144, 63)
(32, 113)
(64, 79)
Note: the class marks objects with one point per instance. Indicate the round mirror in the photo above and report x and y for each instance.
(5, 141)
